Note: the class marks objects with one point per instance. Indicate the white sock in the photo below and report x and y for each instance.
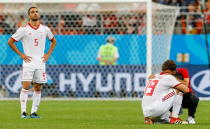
(166, 116)
(36, 100)
(23, 99)
(177, 104)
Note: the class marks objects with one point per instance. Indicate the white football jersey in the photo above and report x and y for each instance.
(157, 87)
(33, 41)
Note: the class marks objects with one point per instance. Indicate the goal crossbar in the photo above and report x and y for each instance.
(73, 1)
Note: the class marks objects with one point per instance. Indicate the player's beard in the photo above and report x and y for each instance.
(35, 19)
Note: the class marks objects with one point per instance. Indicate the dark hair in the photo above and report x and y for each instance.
(178, 75)
(30, 9)
(169, 65)
(110, 39)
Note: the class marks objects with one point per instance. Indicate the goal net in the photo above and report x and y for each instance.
(143, 32)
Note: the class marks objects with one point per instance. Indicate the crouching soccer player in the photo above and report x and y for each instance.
(162, 92)
(190, 101)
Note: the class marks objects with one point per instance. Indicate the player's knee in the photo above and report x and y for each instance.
(177, 91)
(37, 87)
(26, 87)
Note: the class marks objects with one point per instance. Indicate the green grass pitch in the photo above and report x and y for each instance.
(90, 115)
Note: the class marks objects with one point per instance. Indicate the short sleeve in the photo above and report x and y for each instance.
(172, 82)
(49, 34)
(184, 72)
(18, 35)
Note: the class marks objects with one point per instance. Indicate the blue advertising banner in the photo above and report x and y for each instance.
(200, 79)
(98, 81)
(82, 80)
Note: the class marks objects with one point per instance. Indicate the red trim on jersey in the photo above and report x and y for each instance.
(163, 73)
(177, 85)
(34, 27)
(169, 95)
(14, 39)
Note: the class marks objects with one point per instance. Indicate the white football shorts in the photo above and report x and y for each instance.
(161, 105)
(34, 75)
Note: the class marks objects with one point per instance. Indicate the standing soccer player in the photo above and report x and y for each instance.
(33, 37)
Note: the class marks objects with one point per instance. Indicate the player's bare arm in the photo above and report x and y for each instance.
(183, 88)
(52, 47)
(151, 76)
(185, 81)
(11, 43)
